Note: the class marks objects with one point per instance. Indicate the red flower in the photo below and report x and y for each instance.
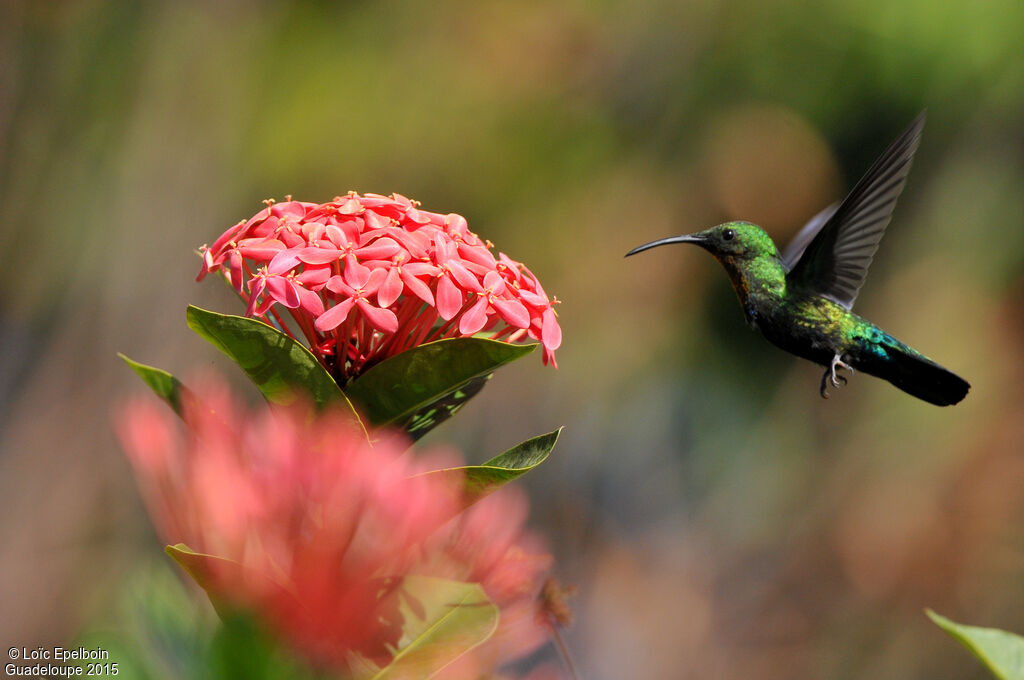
(366, 277)
(488, 547)
(317, 528)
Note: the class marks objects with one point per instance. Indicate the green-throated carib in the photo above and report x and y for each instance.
(801, 299)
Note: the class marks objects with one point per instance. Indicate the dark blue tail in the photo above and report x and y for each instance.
(916, 374)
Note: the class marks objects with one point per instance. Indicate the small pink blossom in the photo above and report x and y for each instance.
(316, 527)
(365, 277)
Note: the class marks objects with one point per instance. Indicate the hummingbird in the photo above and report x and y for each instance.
(802, 298)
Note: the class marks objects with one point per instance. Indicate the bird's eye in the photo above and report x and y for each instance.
(728, 235)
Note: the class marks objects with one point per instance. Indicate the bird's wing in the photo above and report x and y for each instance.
(796, 247)
(836, 260)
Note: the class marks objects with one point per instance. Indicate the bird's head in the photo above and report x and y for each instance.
(732, 240)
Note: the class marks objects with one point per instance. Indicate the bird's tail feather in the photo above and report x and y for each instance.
(918, 375)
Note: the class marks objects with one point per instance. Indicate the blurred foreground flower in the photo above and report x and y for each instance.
(365, 277)
(318, 533)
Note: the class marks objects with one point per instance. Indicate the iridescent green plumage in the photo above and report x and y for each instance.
(801, 300)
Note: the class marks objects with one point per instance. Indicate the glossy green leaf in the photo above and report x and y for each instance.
(275, 362)
(480, 480)
(397, 389)
(442, 620)
(165, 385)
(426, 419)
(1000, 651)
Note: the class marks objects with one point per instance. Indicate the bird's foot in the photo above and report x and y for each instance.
(839, 363)
(831, 375)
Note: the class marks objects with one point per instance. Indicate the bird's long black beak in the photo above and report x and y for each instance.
(687, 238)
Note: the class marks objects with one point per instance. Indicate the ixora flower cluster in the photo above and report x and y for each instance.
(365, 277)
(333, 541)
(369, 560)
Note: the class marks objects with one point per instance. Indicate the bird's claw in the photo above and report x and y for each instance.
(831, 375)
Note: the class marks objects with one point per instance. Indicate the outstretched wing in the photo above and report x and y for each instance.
(796, 247)
(836, 260)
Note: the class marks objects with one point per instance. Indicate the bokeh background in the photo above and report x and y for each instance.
(719, 518)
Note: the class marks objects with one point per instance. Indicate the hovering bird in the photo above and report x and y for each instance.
(801, 299)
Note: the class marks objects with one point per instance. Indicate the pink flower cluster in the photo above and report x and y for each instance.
(365, 277)
(315, 528)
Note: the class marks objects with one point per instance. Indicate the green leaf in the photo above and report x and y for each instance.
(426, 419)
(150, 627)
(166, 386)
(244, 649)
(442, 621)
(275, 362)
(200, 567)
(1000, 651)
(400, 388)
(480, 480)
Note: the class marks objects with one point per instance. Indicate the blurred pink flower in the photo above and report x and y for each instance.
(487, 546)
(317, 527)
(365, 277)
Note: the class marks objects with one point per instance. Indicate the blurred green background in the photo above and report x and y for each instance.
(720, 519)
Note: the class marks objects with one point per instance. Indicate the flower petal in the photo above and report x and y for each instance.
(290, 238)
(435, 218)
(475, 317)
(336, 236)
(375, 220)
(334, 317)
(336, 284)
(208, 264)
(313, 231)
(310, 302)
(283, 290)
(314, 278)
(261, 250)
(258, 218)
(356, 275)
(391, 288)
(228, 235)
(350, 206)
(236, 270)
(379, 249)
(512, 311)
(462, 275)
(414, 215)
(267, 303)
(444, 249)
(289, 209)
(449, 298)
(284, 261)
(421, 268)
(551, 332)
(381, 319)
(375, 280)
(256, 288)
(456, 224)
(477, 255)
(494, 283)
(417, 287)
(416, 242)
(319, 255)
(533, 299)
